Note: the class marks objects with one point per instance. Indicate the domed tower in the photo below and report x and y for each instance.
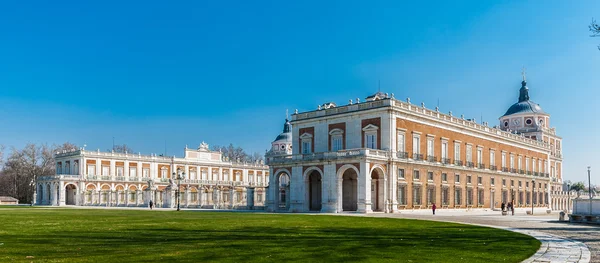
(283, 142)
(525, 117)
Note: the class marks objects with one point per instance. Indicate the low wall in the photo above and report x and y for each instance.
(582, 207)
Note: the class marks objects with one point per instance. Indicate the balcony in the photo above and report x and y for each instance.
(92, 177)
(536, 174)
(528, 172)
(343, 154)
(133, 179)
(120, 178)
(431, 158)
(522, 171)
(493, 168)
(446, 160)
(402, 155)
(104, 177)
(547, 175)
(513, 170)
(418, 157)
(470, 164)
(458, 162)
(145, 179)
(481, 166)
(505, 169)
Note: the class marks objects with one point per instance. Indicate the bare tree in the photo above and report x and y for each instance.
(595, 29)
(122, 149)
(237, 154)
(1, 154)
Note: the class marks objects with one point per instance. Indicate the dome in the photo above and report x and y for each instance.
(286, 135)
(524, 105)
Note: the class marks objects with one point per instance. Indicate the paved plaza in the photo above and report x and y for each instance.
(561, 241)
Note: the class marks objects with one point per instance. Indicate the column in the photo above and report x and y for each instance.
(113, 171)
(209, 173)
(221, 174)
(393, 181)
(364, 189)
(329, 190)
(62, 192)
(98, 168)
(187, 194)
(250, 198)
(186, 170)
(126, 171)
(297, 190)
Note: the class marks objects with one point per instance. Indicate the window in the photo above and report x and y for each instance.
(512, 161)
(479, 180)
(503, 160)
(520, 183)
(533, 165)
(526, 184)
(503, 182)
(400, 173)
(480, 198)
(337, 143)
(337, 139)
(371, 141)
(67, 168)
(492, 157)
(430, 195)
(105, 170)
(444, 149)
(512, 182)
(416, 175)
(444, 177)
(371, 136)
(146, 172)
(193, 175)
(430, 146)
(504, 196)
(479, 156)
(445, 195)
(457, 178)
(519, 163)
(469, 196)
(457, 196)
(469, 153)
(416, 144)
(527, 164)
(306, 143)
(58, 168)
(132, 171)
(430, 176)
(76, 168)
(402, 194)
(468, 179)
(120, 171)
(457, 151)
(540, 164)
(492, 181)
(91, 169)
(417, 195)
(260, 178)
(401, 142)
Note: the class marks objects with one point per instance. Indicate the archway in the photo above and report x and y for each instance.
(283, 182)
(377, 188)
(40, 195)
(48, 195)
(349, 190)
(314, 191)
(70, 191)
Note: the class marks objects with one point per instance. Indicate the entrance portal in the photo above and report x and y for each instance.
(314, 191)
(349, 190)
(70, 194)
(284, 188)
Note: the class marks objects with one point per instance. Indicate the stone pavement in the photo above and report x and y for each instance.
(561, 242)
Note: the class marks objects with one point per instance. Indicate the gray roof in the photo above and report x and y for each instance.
(8, 199)
(524, 105)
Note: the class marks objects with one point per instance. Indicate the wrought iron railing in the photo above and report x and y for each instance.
(431, 158)
(522, 171)
(458, 162)
(513, 170)
(446, 160)
(470, 164)
(481, 166)
(417, 156)
(505, 169)
(402, 155)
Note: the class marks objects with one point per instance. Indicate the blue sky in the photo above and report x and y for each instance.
(150, 72)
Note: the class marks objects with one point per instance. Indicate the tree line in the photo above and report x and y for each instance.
(237, 154)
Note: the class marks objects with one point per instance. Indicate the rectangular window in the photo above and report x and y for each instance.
(468, 179)
(132, 171)
(520, 183)
(444, 149)
(429, 146)
(540, 164)
(512, 182)
(457, 151)
(519, 163)
(504, 196)
(401, 142)
(469, 196)
(105, 170)
(371, 141)
(457, 196)
(492, 181)
(527, 164)
(337, 143)
(430, 195)
(416, 144)
(479, 156)
(444, 177)
(120, 171)
(400, 173)
(503, 182)
(402, 194)
(430, 176)
(492, 157)
(445, 196)
(479, 180)
(91, 170)
(526, 184)
(503, 160)
(533, 165)
(480, 198)
(416, 175)
(417, 195)
(306, 149)
(469, 153)
(457, 178)
(512, 161)
(146, 172)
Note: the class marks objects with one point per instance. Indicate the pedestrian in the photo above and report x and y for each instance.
(151, 204)
(502, 206)
(433, 207)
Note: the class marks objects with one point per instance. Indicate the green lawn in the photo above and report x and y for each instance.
(95, 235)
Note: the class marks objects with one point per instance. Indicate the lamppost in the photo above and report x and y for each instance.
(590, 188)
(568, 197)
(532, 193)
(179, 175)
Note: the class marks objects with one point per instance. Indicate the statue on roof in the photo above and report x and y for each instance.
(203, 147)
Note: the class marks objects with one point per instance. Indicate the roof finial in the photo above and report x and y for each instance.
(523, 74)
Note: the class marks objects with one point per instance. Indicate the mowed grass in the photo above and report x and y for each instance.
(96, 235)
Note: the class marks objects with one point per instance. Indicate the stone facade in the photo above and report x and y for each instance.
(207, 180)
(386, 155)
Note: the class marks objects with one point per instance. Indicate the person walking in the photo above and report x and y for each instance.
(502, 206)
(151, 204)
(433, 207)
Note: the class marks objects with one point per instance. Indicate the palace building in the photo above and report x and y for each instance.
(206, 180)
(383, 154)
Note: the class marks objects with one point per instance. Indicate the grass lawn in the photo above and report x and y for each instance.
(96, 235)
